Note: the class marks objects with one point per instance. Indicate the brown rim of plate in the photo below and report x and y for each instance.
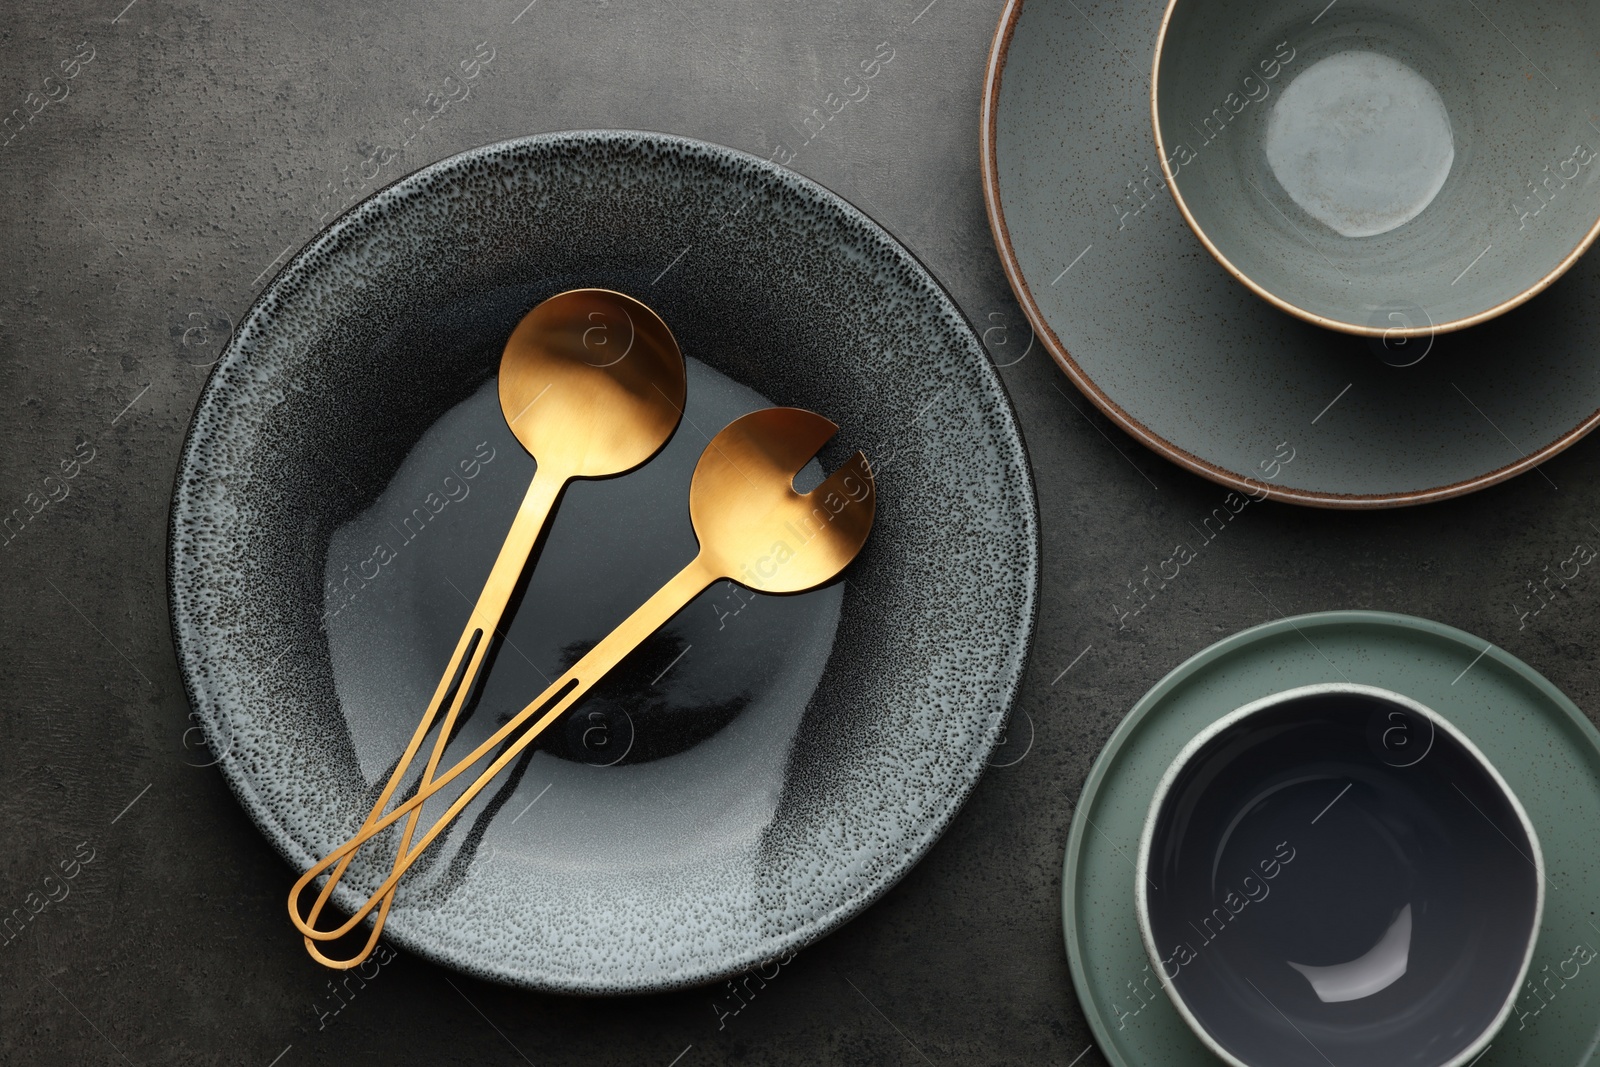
(1299, 312)
(989, 169)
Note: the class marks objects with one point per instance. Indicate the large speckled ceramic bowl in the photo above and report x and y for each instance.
(760, 770)
(1192, 364)
(1336, 873)
(1383, 167)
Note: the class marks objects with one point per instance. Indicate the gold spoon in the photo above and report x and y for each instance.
(592, 384)
(753, 527)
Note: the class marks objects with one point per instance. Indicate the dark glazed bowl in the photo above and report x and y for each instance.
(1336, 874)
(763, 767)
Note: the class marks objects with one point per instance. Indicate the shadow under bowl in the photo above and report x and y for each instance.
(1337, 874)
(1386, 168)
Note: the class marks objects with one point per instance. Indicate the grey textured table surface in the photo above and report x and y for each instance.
(146, 208)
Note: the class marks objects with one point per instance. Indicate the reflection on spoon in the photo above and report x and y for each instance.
(1380, 968)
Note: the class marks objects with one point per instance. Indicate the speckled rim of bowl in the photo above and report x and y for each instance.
(1299, 312)
(989, 170)
(825, 924)
(1147, 838)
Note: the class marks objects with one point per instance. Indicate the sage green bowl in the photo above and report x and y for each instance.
(1389, 168)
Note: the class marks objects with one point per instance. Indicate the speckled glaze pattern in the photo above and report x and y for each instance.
(1537, 739)
(1191, 363)
(769, 280)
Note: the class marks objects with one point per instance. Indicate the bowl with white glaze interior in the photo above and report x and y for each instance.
(1336, 874)
(1389, 168)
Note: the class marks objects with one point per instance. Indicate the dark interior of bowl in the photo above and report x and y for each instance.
(763, 767)
(1336, 878)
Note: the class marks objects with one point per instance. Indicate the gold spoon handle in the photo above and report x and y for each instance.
(458, 680)
(553, 703)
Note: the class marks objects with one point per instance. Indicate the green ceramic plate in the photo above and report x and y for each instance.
(1539, 740)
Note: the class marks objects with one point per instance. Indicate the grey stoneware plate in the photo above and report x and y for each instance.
(1336, 873)
(1538, 741)
(1191, 363)
(760, 770)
